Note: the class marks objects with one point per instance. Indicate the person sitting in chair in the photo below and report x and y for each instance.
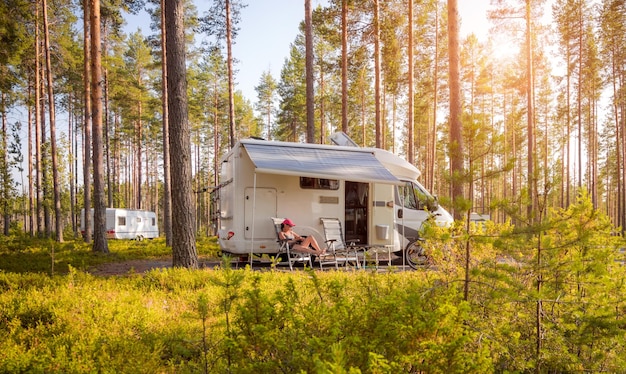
(299, 243)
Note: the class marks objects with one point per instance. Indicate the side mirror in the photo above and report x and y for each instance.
(432, 204)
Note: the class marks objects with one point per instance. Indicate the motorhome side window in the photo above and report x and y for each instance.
(121, 221)
(408, 196)
(319, 183)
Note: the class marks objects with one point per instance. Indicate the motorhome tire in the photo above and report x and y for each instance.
(416, 256)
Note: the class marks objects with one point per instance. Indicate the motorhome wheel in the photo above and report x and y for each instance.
(416, 255)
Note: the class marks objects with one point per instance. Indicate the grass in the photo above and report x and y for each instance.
(23, 254)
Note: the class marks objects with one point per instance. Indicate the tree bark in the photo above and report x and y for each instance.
(87, 128)
(100, 243)
(344, 66)
(532, 179)
(433, 133)
(310, 92)
(231, 83)
(38, 130)
(378, 119)
(456, 140)
(58, 218)
(410, 104)
(183, 219)
(167, 192)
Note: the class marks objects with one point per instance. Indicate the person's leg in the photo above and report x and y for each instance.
(304, 248)
(310, 241)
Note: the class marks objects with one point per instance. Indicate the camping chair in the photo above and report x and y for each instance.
(344, 252)
(285, 249)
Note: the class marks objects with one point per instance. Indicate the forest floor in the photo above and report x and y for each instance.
(130, 267)
(141, 266)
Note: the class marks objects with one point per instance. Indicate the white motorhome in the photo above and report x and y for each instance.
(126, 223)
(374, 193)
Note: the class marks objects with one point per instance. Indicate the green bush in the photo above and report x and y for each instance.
(235, 320)
(545, 299)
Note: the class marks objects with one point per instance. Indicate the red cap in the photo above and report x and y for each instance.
(289, 222)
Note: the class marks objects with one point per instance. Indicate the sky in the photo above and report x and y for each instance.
(268, 27)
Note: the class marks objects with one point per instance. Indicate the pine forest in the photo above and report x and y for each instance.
(542, 116)
(525, 125)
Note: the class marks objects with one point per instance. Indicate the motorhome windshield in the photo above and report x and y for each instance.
(413, 196)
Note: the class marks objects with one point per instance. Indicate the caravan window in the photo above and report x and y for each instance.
(319, 183)
(121, 221)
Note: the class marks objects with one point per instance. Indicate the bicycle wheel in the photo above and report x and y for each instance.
(415, 255)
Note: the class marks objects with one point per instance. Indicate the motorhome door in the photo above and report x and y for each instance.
(356, 212)
(259, 206)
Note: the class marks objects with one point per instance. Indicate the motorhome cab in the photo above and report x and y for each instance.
(374, 193)
(127, 223)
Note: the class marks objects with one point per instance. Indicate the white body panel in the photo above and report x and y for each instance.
(248, 198)
(127, 223)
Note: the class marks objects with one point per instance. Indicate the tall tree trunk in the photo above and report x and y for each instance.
(167, 193)
(618, 144)
(53, 143)
(456, 139)
(44, 159)
(377, 88)
(31, 178)
(322, 107)
(38, 128)
(231, 83)
(344, 66)
(70, 157)
(411, 98)
(532, 178)
(87, 127)
(100, 243)
(579, 100)
(183, 220)
(310, 91)
(216, 149)
(568, 133)
(106, 130)
(139, 163)
(4, 172)
(107, 141)
(433, 133)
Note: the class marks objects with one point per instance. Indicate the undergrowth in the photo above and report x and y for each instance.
(22, 253)
(226, 320)
(479, 314)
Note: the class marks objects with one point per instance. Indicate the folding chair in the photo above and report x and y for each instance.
(285, 249)
(344, 252)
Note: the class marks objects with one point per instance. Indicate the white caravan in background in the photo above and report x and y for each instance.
(121, 223)
(374, 193)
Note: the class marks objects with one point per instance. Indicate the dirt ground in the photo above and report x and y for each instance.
(129, 267)
(139, 266)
